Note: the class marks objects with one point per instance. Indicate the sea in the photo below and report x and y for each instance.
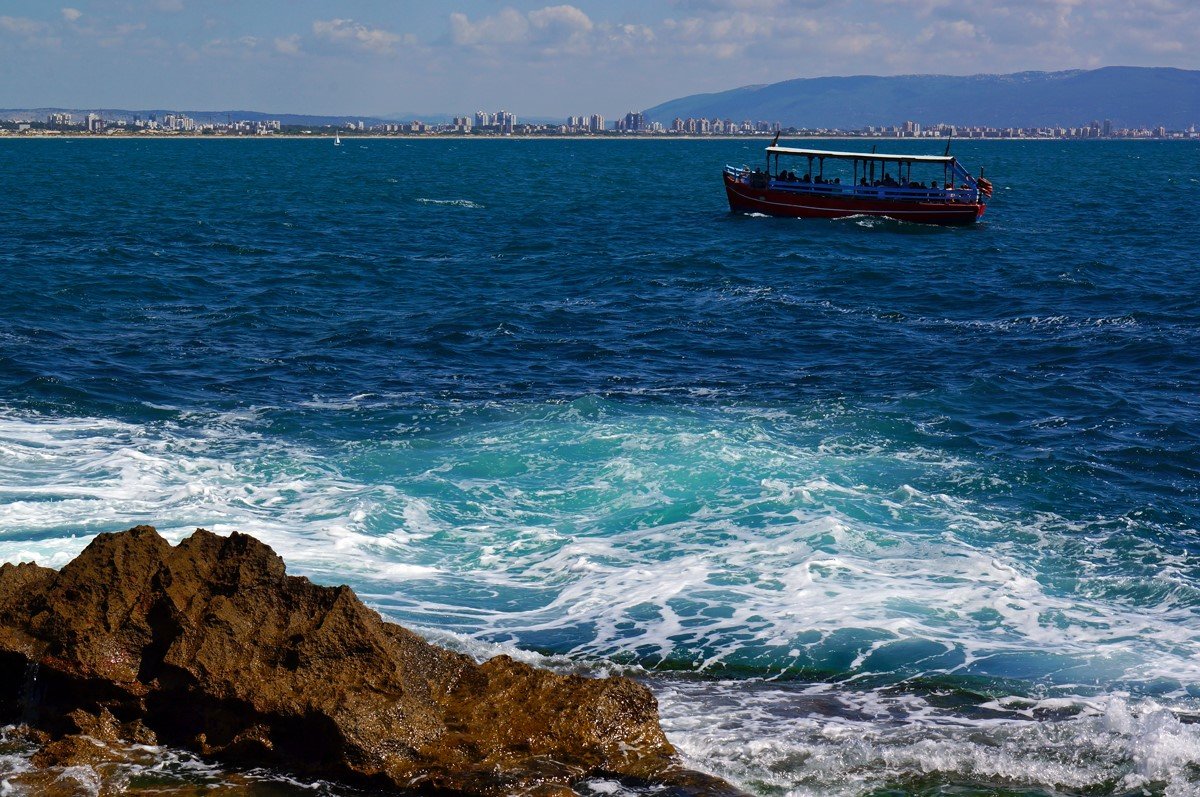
(873, 508)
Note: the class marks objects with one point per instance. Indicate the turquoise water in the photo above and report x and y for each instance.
(870, 506)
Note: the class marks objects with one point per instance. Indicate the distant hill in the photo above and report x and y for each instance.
(1129, 96)
(202, 117)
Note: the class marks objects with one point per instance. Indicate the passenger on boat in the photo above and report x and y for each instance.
(863, 182)
(933, 184)
(807, 178)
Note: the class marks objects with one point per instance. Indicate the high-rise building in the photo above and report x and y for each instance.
(632, 122)
(596, 124)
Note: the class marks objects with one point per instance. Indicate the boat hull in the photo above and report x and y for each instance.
(743, 198)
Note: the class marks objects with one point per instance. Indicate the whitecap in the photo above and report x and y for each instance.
(459, 203)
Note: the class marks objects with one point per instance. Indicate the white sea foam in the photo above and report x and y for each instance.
(825, 741)
(751, 537)
(459, 203)
(161, 770)
(86, 779)
(698, 538)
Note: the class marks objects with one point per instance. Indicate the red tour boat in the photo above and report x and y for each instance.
(872, 190)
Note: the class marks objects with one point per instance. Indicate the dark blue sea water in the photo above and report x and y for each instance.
(872, 507)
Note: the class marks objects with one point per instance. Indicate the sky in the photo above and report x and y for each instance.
(539, 59)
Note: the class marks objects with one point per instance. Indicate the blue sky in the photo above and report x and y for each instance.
(540, 58)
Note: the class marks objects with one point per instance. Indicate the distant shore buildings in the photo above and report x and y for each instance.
(504, 123)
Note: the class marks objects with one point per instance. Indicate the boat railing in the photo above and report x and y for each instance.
(878, 191)
(886, 192)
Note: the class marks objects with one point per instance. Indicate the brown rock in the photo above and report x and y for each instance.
(211, 646)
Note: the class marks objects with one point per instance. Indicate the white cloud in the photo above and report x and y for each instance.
(549, 31)
(566, 19)
(240, 46)
(22, 26)
(757, 6)
(507, 27)
(544, 25)
(288, 45)
(726, 36)
(32, 32)
(351, 33)
(71, 14)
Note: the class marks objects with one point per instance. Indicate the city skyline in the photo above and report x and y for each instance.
(368, 57)
(506, 123)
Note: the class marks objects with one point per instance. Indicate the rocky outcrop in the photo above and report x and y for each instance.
(209, 645)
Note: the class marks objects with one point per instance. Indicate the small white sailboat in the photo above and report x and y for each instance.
(337, 139)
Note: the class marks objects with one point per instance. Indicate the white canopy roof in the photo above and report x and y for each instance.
(872, 156)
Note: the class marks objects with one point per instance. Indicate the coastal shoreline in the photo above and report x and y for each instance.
(453, 137)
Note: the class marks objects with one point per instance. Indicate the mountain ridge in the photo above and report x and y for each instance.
(1129, 96)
